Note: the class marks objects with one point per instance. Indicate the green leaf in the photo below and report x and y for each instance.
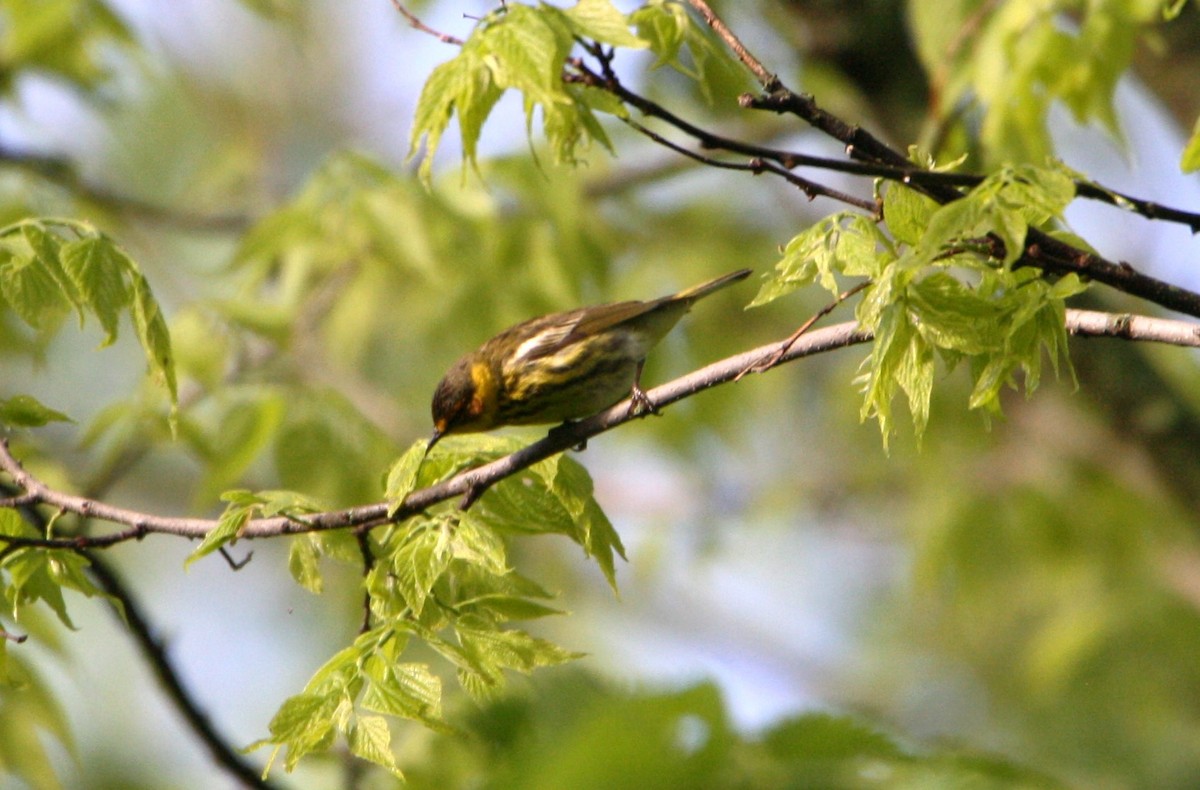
(228, 528)
(32, 292)
(528, 49)
(475, 542)
(1006, 204)
(601, 21)
(47, 249)
(364, 676)
(97, 269)
(275, 502)
(670, 31)
(450, 85)
(13, 525)
(522, 49)
(573, 485)
(598, 99)
(402, 477)
(303, 717)
(35, 575)
(302, 563)
(900, 360)
(664, 26)
(554, 495)
(907, 212)
(24, 411)
(844, 243)
(505, 608)
(497, 650)
(371, 740)
(152, 331)
(1189, 161)
(408, 690)
(422, 558)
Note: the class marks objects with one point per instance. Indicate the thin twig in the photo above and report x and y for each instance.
(368, 556)
(765, 77)
(445, 38)
(1040, 249)
(896, 169)
(773, 359)
(757, 165)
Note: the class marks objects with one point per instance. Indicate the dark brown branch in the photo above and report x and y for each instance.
(895, 168)
(129, 611)
(155, 652)
(1041, 250)
(757, 165)
(368, 556)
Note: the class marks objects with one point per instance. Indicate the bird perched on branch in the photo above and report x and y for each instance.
(562, 366)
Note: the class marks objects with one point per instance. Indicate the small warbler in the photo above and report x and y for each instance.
(562, 366)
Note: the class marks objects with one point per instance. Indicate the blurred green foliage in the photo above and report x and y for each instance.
(1042, 630)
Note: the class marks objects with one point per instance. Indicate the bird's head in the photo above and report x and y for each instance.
(465, 399)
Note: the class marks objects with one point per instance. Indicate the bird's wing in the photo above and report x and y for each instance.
(603, 317)
(550, 334)
(545, 336)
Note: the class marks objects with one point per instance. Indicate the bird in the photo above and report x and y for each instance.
(562, 366)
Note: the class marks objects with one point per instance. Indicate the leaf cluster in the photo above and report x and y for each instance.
(525, 48)
(1023, 58)
(50, 268)
(441, 580)
(67, 39)
(939, 288)
(345, 259)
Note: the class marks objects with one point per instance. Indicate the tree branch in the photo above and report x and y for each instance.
(60, 171)
(445, 38)
(757, 165)
(131, 615)
(473, 481)
(882, 162)
(765, 77)
(155, 653)
(1041, 250)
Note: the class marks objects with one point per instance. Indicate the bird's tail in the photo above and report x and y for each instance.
(704, 289)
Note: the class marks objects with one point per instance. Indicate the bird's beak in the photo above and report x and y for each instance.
(438, 433)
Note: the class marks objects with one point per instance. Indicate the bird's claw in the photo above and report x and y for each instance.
(640, 403)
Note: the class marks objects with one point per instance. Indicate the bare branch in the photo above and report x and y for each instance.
(368, 557)
(1090, 323)
(765, 77)
(9, 636)
(757, 165)
(1041, 251)
(445, 38)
